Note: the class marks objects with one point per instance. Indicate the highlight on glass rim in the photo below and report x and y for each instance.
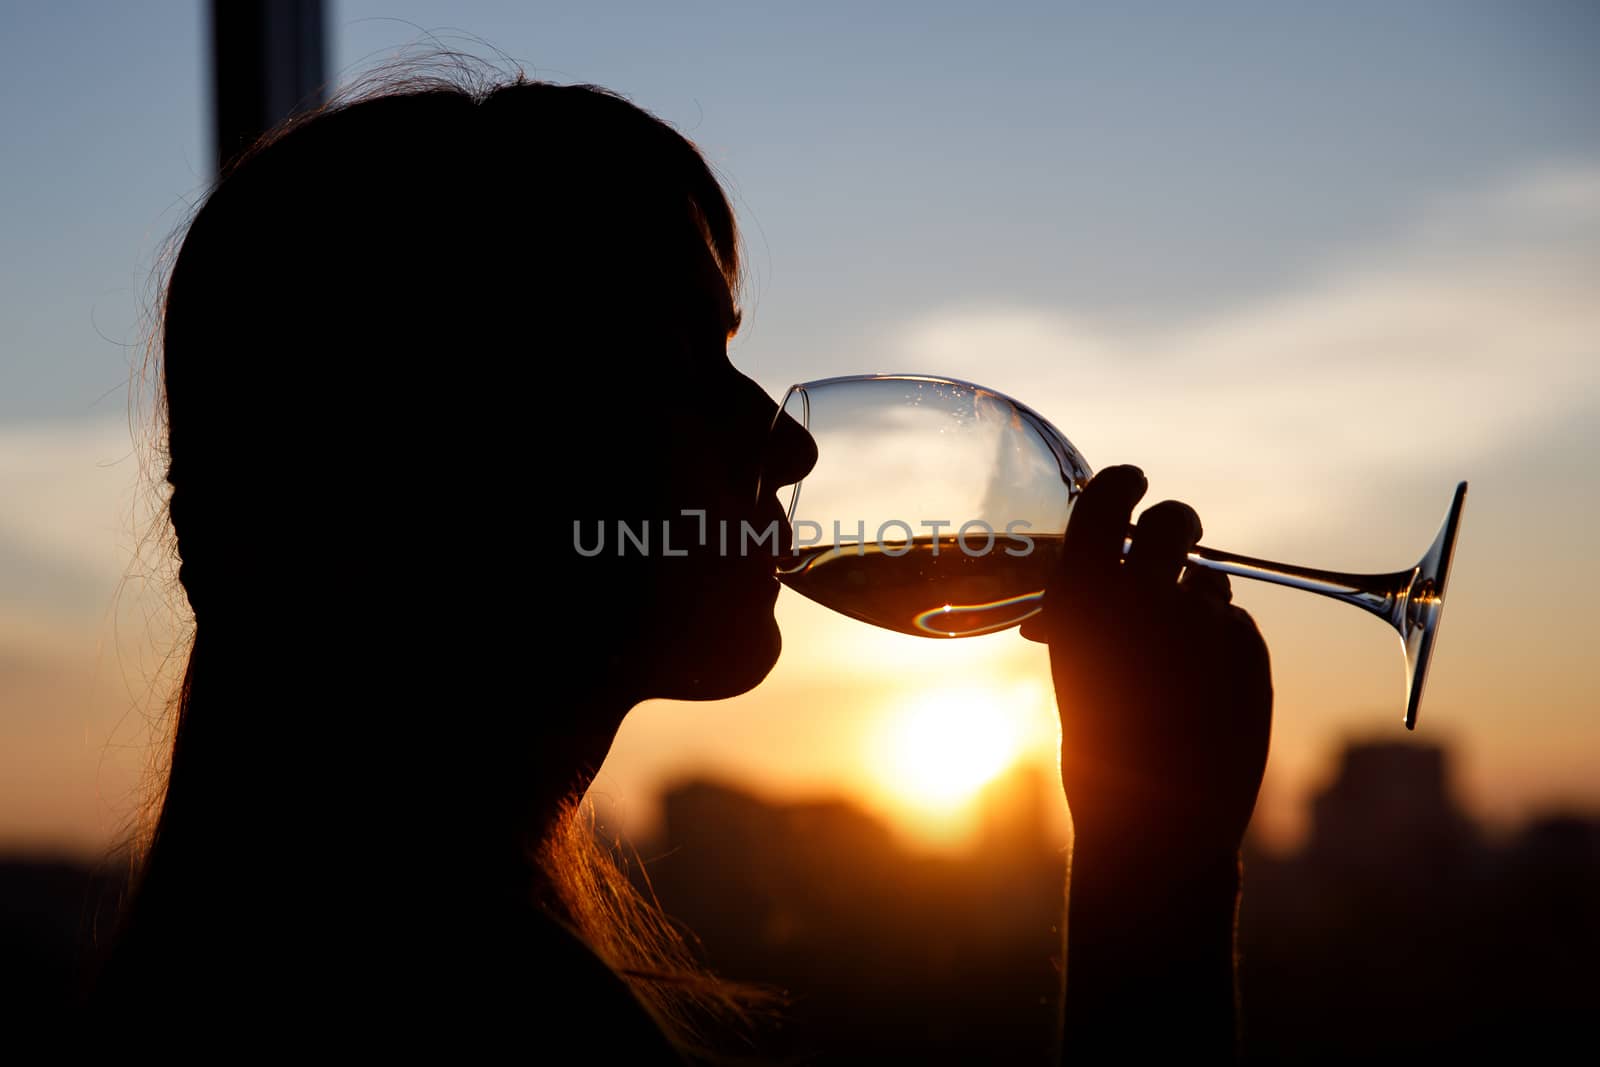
(717, 534)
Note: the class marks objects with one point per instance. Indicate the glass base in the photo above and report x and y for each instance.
(1424, 606)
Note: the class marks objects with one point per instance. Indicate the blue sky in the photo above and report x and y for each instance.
(1309, 264)
(889, 158)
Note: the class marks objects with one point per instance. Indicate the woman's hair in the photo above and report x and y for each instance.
(379, 338)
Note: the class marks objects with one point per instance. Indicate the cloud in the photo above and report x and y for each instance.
(1416, 360)
(75, 512)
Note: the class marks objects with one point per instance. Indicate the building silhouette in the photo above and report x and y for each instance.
(1398, 932)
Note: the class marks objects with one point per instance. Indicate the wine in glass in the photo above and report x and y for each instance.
(936, 508)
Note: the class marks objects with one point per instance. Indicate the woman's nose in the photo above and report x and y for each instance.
(791, 453)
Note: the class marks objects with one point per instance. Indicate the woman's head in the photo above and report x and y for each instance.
(418, 347)
(417, 350)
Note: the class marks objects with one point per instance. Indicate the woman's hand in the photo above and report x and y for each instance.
(1163, 686)
(1165, 697)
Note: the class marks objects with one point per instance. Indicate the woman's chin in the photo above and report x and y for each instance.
(717, 669)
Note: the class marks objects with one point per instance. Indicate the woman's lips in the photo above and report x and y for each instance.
(783, 543)
(774, 515)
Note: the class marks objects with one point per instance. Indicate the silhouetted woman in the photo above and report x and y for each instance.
(407, 343)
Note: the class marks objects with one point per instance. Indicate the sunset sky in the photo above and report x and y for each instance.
(1307, 265)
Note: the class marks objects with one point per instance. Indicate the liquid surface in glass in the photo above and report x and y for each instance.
(928, 587)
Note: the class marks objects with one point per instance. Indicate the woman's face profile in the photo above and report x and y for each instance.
(704, 440)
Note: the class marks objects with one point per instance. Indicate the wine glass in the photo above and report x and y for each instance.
(936, 508)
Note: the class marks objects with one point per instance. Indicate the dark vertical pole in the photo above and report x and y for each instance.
(268, 60)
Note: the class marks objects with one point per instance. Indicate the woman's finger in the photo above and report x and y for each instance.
(1092, 549)
(1093, 545)
(1165, 534)
(1209, 584)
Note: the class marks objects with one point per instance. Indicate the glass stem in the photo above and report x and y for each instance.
(1384, 595)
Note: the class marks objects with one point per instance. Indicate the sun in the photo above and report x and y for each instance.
(940, 748)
